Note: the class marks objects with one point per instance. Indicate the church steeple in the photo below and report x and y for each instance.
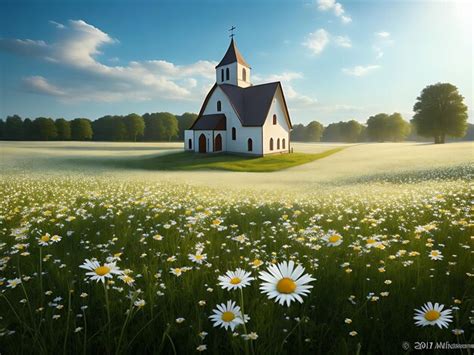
(233, 69)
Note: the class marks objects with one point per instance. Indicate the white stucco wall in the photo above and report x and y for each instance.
(279, 131)
(188, 134)
(243, 133)
(235, 78)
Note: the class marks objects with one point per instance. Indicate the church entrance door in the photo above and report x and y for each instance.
(202, 143)
(218, 143)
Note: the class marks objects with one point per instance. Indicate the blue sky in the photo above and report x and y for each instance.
(336, 60)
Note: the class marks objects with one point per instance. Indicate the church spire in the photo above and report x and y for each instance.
(232, 56)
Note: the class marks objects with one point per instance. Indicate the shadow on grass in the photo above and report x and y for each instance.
(194, 161)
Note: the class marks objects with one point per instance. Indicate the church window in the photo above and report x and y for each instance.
(219, 106)
(283, 144)
(222, 74)
(274, 119)
(250, 145)
(271, 143)
(278, 143)
(244, 74)
(190, 144)
(234, 134)
(227, 74)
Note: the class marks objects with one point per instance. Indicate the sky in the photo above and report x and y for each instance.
(336, 60)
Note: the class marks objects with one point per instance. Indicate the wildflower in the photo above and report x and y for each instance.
(139, 303)
(227, 315)
(458, 331)
(44, 240)
(256, 263)
(197, 258)
(100, 272)
(127, 279)
(435, 255)
(13, 283)
(285, 283)
(180, 320)
(235, 279)
(333, 239)
(353, 333)
(433, 315)
(348, 321)
(201, 347)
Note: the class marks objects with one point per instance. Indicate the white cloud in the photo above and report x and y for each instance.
(337, 8)
(40, 85)
(343, 41)
(382, 34)
(78, 46)
(317, 41)
(360, 70)
(57, 24)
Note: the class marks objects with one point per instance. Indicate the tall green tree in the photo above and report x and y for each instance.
(45, 128)
(398, 129)
(377, 127)
(439, 112)
(135, 126)
(160, 126)
(2, 129)
(63, 128)
(81, 129)
(313, 132)
(185, 121)
(298, 132)
(14, 128)
(29, 130)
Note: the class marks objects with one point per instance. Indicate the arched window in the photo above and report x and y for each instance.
(271, 143)
(234, 134)
(274, 119)
(244, 74)
(190, 144)
(227, 74)
(283, 144)
(222, 74)
(278, 143)
(219, 106)
(249, 145)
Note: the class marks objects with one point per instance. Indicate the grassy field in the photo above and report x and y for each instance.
(382, 228)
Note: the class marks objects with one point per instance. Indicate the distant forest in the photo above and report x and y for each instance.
(165, 126)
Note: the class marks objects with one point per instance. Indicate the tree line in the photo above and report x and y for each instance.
(150, 127)
(439, 112)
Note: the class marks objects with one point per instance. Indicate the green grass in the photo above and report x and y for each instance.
(194, 161)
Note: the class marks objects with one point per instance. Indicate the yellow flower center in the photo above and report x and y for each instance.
(370, 241)
(102, 270)
(286, 285)
(228, 316)
(235, 281)
(45, 238)
(432, 315)
(198, 257)
(434, 253)
(334, 238)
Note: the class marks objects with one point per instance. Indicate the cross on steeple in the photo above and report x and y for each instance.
(232, 31)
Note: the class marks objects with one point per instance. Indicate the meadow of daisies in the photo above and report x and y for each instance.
(99, 261)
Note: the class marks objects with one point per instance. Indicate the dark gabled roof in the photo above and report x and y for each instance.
(215, 122)
(232, 55)
(251, 103)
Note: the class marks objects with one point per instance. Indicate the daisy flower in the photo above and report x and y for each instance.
(435, 255)
(285, 283)
(197, 258)
(44, 240)
(431, 314)
(235, 279)
(99, 272)
(333, 239)
(13, 283)
(227, 315)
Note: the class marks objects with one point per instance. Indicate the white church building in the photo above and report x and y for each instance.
(238, 117)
